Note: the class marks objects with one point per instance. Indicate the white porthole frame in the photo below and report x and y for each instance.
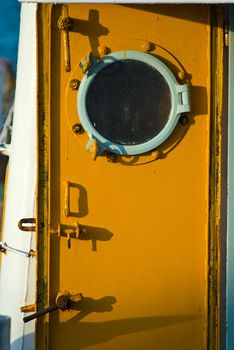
(180, 100)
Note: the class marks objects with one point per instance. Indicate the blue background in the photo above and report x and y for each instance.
(9, 36)
(9, 29)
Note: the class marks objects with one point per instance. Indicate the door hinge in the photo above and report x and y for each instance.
(86, 62)
(226, 35)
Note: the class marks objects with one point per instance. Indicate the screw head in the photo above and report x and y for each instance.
(183, 119)
(77, 128)
(181, 75)
(155, 154)
(64, 302)
(111, 157)
(103, 50)
(65, 23)
(74, 84)
(147, 46)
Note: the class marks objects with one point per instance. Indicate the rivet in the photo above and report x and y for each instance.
(74, 84)
(77, 128)
(147, 46)
(102, 50)
(111, 157)
(183, 119)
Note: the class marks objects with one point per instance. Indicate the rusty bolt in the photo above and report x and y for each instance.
(184, 119)
(77, 128)
(102, 50)
(64, 302)
(147, 46)
(65, 23)
(181, 75)
(74, 84)
(111, 157)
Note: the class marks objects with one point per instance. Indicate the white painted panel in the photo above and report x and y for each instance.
(17, 272)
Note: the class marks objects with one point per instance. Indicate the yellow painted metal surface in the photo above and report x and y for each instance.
(141, 260)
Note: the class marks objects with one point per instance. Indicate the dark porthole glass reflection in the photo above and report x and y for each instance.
(128, 102)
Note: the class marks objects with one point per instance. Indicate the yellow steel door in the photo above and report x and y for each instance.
(140, 259)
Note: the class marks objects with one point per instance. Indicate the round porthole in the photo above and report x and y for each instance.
(130, 102)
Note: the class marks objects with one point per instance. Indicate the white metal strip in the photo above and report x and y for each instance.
(18, 275)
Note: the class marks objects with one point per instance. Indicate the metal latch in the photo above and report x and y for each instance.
(69, 232)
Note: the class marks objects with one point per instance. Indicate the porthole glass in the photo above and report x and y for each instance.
(130, 102)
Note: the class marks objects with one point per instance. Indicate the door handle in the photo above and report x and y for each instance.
(63, 302)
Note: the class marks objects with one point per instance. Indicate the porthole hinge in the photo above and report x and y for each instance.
(93, 148)
(86, 62)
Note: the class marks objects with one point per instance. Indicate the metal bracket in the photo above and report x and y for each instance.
(27, 224)
(4, 247)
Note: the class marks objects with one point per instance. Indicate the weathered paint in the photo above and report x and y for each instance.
(230, 209)
(43, 209)
(217, 18)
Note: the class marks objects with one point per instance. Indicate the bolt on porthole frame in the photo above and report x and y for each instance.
(180, 103)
